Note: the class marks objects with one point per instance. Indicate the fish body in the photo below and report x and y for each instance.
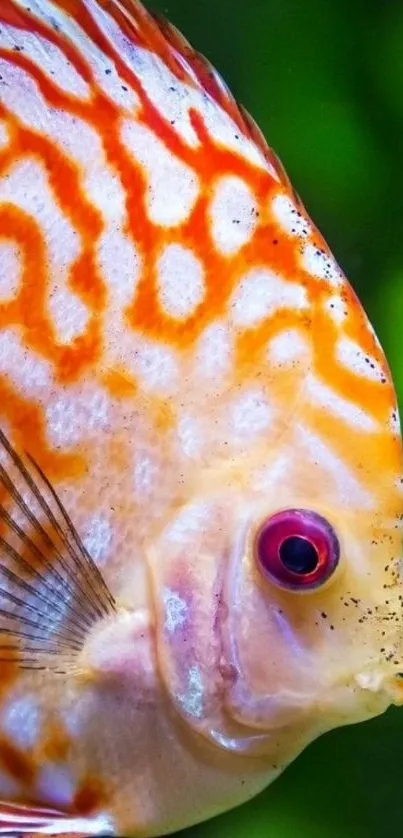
(185, 377)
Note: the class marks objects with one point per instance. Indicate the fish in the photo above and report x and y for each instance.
(200, 451)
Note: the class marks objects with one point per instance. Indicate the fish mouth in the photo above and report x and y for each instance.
(256, 717)
(380, 682)
(349, 698)
(212, 695)
(259, 719)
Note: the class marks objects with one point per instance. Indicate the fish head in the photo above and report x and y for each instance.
(277, 584)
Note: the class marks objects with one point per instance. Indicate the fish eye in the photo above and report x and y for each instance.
(297, 549)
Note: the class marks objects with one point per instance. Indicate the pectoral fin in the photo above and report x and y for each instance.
(51, 591)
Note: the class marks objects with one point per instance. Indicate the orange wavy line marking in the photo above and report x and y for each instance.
(26, 419)
(90, 796)
(365, 392)
(209, 161)
(16, 763)
(22, 19)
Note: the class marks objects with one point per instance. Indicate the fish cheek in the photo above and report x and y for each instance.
(275, 660)
(186, 599)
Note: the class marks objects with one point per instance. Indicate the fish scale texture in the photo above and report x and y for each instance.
(168, 310)
(153, 225)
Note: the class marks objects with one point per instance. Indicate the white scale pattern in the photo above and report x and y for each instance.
(288, 348)
(156, 366)
(261, 293)
(190, 521)
(4, 135)
(353, 358)
(250, 414)
(191, 435)
(323, 396)
(168, 178)
(269, 479)
(75, 137)
(394, 423)
(21, 720)
(321, 265)
(172, 185)
(10, 265)
(120, 266)
(173, 98)
(75, 414)
(170, 96)
(31, 375)
(175, 610)
(103, 70)
(145, 474)
(56, 784)
(213, 356)
(336, 308)
(180, 280)
(192, 700)
(348, 492)
(291, 220)
(48, 58)
(27, 187)
(233, 212)
(98, 538)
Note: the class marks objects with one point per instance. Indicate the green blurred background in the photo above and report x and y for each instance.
(324, 80)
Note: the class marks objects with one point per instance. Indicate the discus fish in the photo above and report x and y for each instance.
(201, 460)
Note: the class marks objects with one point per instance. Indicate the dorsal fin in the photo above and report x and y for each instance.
(152, 31)
(211, 81)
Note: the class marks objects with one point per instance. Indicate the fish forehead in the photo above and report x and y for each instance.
(164, 295)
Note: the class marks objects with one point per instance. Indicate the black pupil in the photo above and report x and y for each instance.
(298, 555)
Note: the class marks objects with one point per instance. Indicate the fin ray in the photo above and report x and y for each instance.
(17, 820)
(153, 31)
(51, 591)
(45, 509)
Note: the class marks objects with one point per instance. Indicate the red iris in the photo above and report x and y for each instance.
(297, 549)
